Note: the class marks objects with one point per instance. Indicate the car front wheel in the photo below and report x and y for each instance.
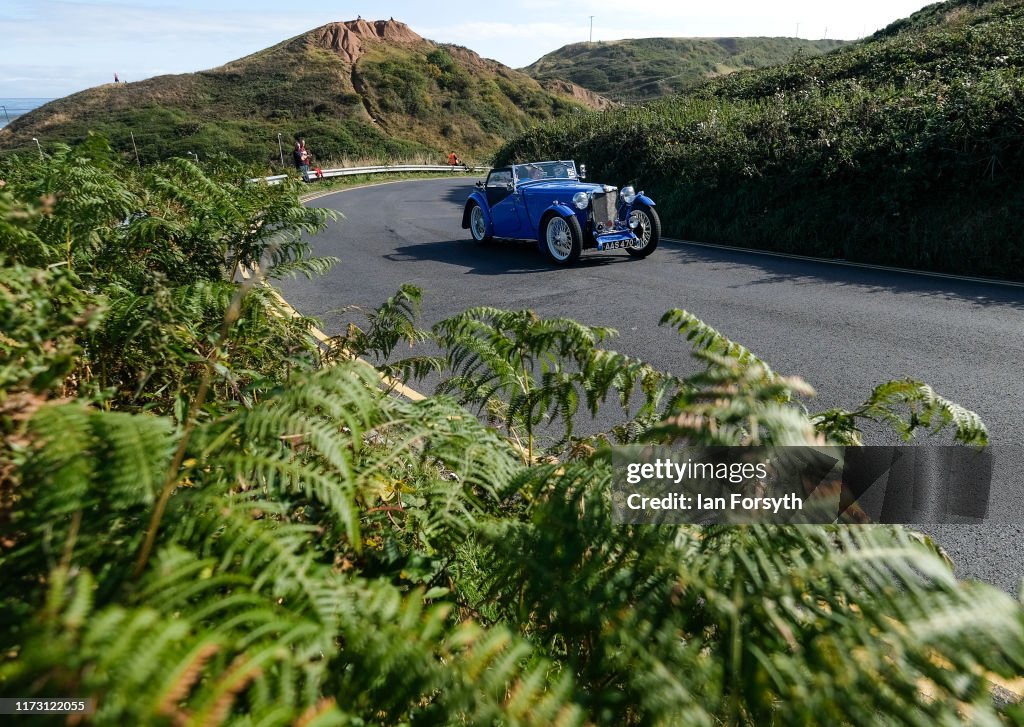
(563, 238)
(478, 223)
(648, 229)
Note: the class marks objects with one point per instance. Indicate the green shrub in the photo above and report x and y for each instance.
(900, 150)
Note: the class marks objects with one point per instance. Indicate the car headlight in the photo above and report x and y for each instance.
(580, 199)
(628, 194)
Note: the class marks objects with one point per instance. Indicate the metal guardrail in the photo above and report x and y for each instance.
(312, 176)
(276, 179)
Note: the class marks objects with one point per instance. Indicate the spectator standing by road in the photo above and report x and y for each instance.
(454, 161)
(301, 157)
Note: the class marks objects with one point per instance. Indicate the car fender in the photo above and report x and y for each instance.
(642, 199)
(562, 210)
(479, 198)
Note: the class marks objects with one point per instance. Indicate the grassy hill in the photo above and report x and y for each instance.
(352, 89)
(647, 68)
(901, 149)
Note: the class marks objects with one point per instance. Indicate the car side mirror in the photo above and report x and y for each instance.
(509, 186)
(479, 184)
(583, 171)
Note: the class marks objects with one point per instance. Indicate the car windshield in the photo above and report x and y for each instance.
(545, 170)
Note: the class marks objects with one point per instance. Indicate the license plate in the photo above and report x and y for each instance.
(616, 244)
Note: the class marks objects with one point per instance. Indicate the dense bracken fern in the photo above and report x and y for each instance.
(204, 519)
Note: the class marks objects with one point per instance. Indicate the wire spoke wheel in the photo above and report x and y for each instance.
(562, 237)
(559, 242)
(643, 229)
(648, 230)
(478, 224)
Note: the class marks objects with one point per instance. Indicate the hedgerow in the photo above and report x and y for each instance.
(902, 149)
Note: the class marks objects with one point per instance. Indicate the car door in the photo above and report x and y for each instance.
(504, 203)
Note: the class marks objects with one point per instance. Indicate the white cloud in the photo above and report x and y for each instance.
(519, 43)
(130, 40)
(514, 44)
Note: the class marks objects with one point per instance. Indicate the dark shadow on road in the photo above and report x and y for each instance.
(775, 271)
(459, 195)
(498, 257)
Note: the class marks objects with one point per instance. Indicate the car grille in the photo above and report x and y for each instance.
(604, 205)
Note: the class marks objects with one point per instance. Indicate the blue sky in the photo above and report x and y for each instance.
(52, 48)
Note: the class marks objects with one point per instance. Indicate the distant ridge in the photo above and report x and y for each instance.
(354, 89)
(646, 68)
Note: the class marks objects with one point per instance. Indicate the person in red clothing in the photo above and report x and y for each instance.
(452, 159)
(301, 156)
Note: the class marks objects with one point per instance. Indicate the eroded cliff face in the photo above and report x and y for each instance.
(347, 38)
(583, 95)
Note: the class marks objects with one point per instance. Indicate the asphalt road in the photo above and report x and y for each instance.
(844, 330)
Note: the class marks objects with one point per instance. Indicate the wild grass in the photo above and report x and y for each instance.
(398, 101)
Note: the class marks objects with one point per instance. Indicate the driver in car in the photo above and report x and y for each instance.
(531, 171)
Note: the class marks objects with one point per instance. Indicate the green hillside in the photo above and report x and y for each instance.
(902, 149)
(352, 89)
(647, 68)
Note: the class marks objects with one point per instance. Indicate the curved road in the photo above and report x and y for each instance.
(844, 330)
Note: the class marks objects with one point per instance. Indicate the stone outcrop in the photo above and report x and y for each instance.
(347, 38)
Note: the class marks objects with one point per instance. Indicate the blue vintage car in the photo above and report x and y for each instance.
(549, 202)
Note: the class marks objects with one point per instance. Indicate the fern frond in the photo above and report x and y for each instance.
(735, 403)
(298, 264)
(927, 411)
(705, 338)
(392, 322)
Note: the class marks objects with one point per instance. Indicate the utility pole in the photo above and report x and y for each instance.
(135, 148)
(591, 28)
(280, 148)
(5, 115)
(798, 30)
(38, 146)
